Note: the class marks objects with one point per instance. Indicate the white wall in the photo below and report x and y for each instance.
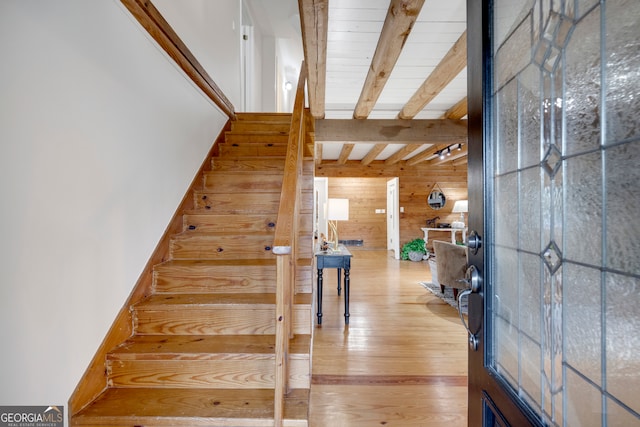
(212, 31)
(100, 136)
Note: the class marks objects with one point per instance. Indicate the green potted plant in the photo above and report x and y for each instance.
(413, 250)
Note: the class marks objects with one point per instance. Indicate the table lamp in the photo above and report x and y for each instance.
(461, 206)
(337, 210)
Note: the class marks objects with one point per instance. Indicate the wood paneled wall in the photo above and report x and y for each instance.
(366, 194)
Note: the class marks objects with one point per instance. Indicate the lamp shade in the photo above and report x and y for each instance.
(338, 209)
(461, 206)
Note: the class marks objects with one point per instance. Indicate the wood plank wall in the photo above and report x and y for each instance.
(366, 194)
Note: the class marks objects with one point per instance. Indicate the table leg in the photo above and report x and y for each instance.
(319, 296)
(347, 281)
(339, 284)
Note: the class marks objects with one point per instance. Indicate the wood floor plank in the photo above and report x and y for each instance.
(402, 360)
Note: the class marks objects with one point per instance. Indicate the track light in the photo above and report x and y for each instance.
(448, 151)
(459, 147)
(441, 155)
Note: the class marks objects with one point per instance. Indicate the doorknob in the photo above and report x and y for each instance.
(473, 279)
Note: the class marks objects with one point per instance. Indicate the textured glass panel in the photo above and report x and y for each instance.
(584, 6)
(507, 128)
(623, 339)
(557, 204)
(510, 59)
(617, 416)
(584, 402)
(623, 70)
(506, 285)
(507, 210)
(583, 222)
(530, 369)
(508, 15)
(530, 210)
(506, 344)
(530, 292)
(545, 209)
(583, 326)
(529, 94)
(582, 85)
(623, 207)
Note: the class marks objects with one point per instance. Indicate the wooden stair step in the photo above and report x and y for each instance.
(192, 407)
(237, 223)
(256, 165)
(226, 276)
(205, 314)
(223, 276)
(205, 347)
(264, 137)
(236, 182)
(236, 203)
(259, 116)
(260, 126)
(204, 362)
(221, 246)
(242, 149)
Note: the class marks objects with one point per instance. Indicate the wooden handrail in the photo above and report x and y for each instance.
(155, 24)
(285, 244)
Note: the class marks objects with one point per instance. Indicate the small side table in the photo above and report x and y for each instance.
(340, 259)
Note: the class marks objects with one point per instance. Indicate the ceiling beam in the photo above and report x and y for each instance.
(373, 153)
(402, 153)
(344, 153)
(391, 131)
(401, 17)
(458, 111)
(314, 18)
(453, 62)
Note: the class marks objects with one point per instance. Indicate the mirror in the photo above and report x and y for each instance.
(436, 200)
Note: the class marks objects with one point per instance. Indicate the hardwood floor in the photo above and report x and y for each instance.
(402, 360)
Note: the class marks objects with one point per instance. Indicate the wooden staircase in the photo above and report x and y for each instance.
(202, 348)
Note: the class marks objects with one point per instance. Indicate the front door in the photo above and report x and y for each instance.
(554, 198)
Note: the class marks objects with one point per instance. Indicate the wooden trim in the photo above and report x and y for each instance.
(150, 18)
(94, 381)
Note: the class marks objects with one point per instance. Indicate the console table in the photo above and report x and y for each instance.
(450, 230)
(340, 259)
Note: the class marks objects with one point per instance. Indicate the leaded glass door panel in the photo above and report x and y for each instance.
(554, 184)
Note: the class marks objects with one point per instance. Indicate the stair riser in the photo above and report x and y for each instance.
(241, 224)
(222, 247)
(221, 374)
(239, 320)
(248, 165)
(232, 138)
(230, 203)
(258, 126)
(225, 182)
(253, 150)
(254, 116)
(219, 279)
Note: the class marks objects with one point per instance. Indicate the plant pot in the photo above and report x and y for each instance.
(415, 256)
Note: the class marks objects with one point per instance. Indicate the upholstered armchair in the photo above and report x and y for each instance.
(451, 264)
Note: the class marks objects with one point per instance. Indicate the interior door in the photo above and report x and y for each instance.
(393, 216)
(554, 149)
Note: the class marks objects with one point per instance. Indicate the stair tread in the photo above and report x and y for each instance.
(200, 299)
(191, 407)
(215, 262)
(203, 347)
